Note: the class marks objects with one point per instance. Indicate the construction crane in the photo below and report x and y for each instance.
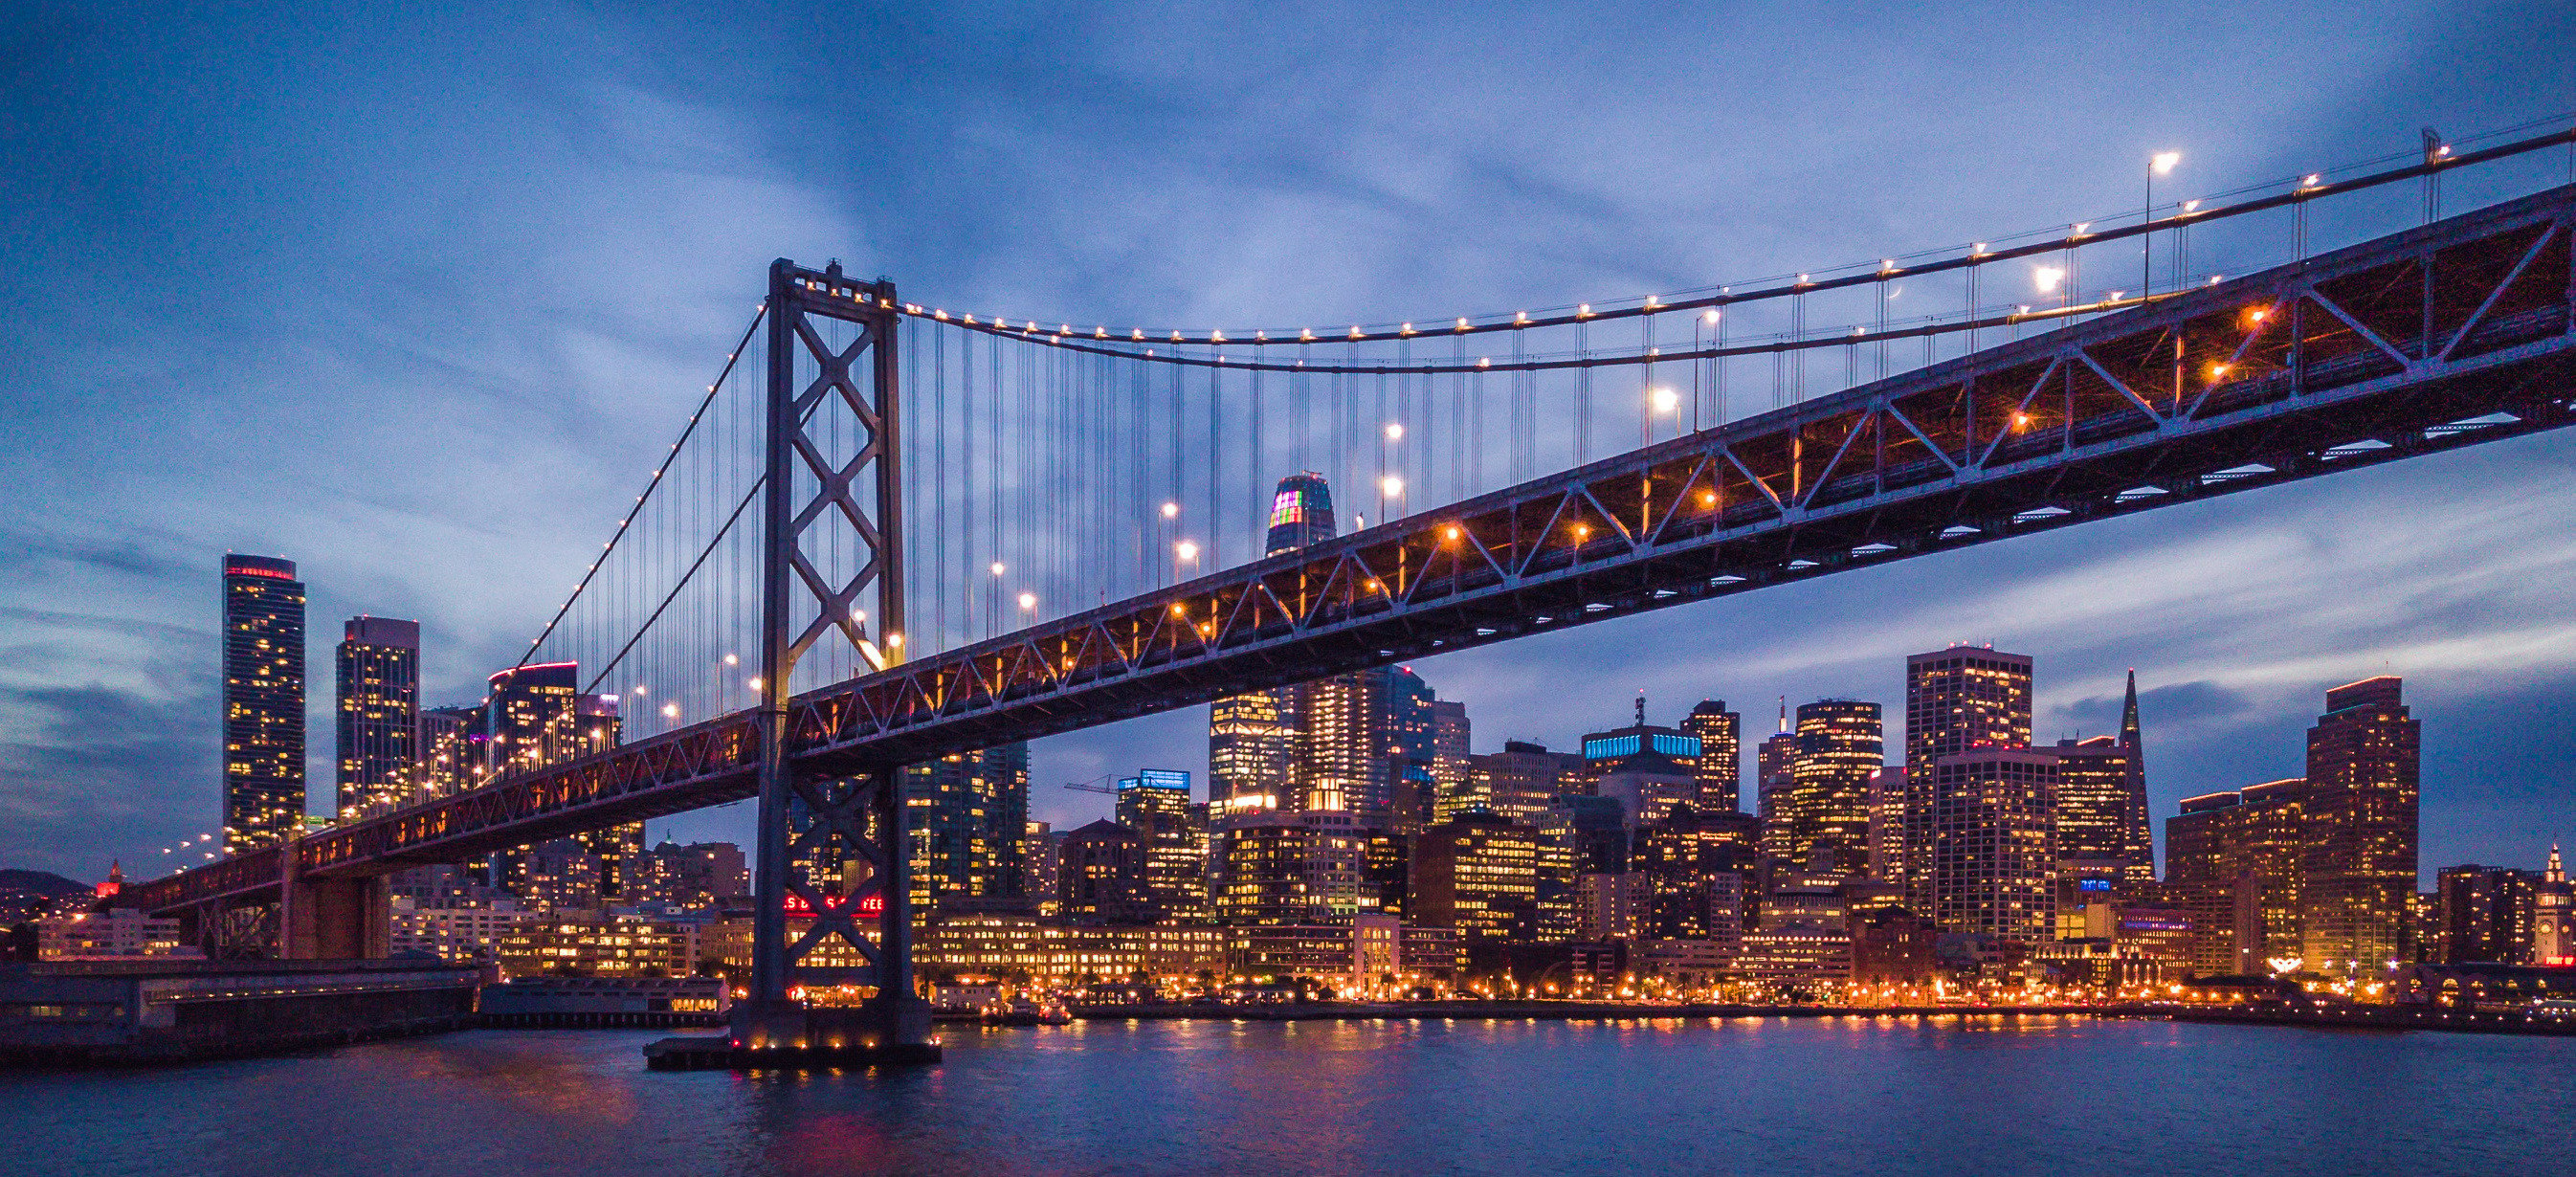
(1095, 785)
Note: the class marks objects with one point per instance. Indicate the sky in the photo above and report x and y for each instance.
(412, 298)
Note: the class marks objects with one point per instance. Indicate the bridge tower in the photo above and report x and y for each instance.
(834, 485)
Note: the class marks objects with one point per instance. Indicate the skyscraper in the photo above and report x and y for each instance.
(1648, 767)
(1773, 778)
(263, 701)
(1839, 743)
(1301, 513)
(1363, 743)
(967, 814)
(379, 710)
(1520, 782)
(2358, 863)
(1453, 763)
(1253, 738)
(2102, 798)
(1156, 804)
(1721, 754)
(1990, 863)
(1956, 699)
(2232, 863)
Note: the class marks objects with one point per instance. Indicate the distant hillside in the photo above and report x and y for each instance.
(40, 882)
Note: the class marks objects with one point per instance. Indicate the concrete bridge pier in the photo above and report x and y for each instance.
(322, 918)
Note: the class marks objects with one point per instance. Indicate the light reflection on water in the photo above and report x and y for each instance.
(1781, 1096)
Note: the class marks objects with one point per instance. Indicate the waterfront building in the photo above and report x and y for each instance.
(1287, 868)
(1683, 965)
(1720, 733)
(117, 933)
(1956, 699)
(1894, 948)
(1798, 959)
(1156, 804)
(1386, 872)
(2358, 861)
(1372, 956)
(1839, 743)
(1991, 862)
(1478, 873)
(600, 947)
(2484, 913)
(2087, 893)
(378, 704)
(466, 935)
(1102, 875)
(1056, 952)
(263, 701)
(2553, 916)
(967, 816)
(450, 755)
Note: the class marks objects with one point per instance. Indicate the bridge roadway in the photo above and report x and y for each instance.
(2440, 337)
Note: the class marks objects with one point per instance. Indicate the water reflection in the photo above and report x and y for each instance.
(1988, 1094)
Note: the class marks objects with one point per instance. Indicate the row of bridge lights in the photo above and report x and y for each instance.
(2048, 280)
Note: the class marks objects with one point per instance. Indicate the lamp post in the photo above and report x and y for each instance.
(2160, 164)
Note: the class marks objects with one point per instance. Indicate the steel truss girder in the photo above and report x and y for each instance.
(2402, 346)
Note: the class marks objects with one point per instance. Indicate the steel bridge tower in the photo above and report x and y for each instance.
(833, 483)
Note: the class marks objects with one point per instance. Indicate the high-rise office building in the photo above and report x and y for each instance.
(1696, 866)
(1839, 743)
(379, 710)
(2358, 864)
(1453, 763)
(1520, 782)
(1364, 744)
(967, 815)
(1886, 822)
(1720, 733)
(1477, 873)
(263, 701)
(1648, 767)
(1102, 875)
(2232, 864)
(1252, 746)
(1156, 804)
(1773, 776)
(1253, 738)
(1038, 865)
(450, 755)
(1287, 868)
(2102, 797)
(1991, 863)
(1958, 699)
(2484, 914)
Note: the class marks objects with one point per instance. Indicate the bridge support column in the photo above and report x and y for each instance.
(834, 469)
(331, 919)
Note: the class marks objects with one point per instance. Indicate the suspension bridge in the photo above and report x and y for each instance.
(891, 531)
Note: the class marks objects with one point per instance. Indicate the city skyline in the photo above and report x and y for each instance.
(111, 716)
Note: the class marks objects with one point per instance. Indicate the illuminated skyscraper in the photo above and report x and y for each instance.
(1156, 804)
(1520, 782)
(1958, 699)
(2102, 798)
(1477, 873)
(1839, 743)
(1721, 754)
(1453, 764)
(1990, 865)
(1301, 513)
(1648, 767)
(2358, 859)
(967, 814)
(263, 701)
(1773, 779)
(379, 710)
(1252, 738)
(2232, 863)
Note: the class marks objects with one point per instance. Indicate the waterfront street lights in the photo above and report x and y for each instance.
(1390, 487)
(993, 602)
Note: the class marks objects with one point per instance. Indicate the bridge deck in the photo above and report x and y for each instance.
(2440, 337)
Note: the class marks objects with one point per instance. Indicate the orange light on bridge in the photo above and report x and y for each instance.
(1582, 531)
(1450, 533)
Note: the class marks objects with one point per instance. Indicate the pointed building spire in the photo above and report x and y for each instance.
(2129, 713)
(1641, 708)
(1784, 713)
(2555, 873)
